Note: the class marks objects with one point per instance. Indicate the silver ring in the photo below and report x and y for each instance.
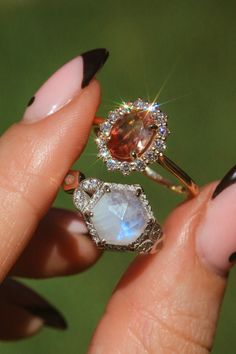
(118, 216)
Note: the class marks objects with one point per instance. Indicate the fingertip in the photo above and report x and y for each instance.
(35, 324)
(23, 312)
(169, 292)
(17, 323)
(60, 246)
(216, 233)
(186, 216)
(64, 85)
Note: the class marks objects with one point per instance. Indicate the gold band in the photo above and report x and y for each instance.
(189, 187)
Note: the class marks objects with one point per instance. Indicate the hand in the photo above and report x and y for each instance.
(167, 302)
(35, 155)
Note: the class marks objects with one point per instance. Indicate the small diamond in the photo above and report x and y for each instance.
(112, 116)
(150, 156)
(139, 165)
(139, 103)
(80, 199)
(90, 185)
(162, 118)
(145, 106)
(123, 110)
(100, 143)
(154, 108)
(128, 106)
(104, 153)
(112, 165)
(163, 131)
(125, 168)
(105, 128)
(160, 145)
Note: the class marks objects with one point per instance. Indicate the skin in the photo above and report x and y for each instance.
(165, 303)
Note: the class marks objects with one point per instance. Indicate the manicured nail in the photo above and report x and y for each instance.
(67, 222)
(22, 296)
(51, 317)
(232, 257)
(216, 236)
(65, 84)
(228, 180)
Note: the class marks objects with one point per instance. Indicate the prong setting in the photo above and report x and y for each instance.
(133, 155)
(107, 188)
(88, 214)
(138, 192)
(153, 127)
(132, 220)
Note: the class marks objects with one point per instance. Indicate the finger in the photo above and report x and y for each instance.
(60, 246)
(36, 153)
(23, 312)
(170, 302)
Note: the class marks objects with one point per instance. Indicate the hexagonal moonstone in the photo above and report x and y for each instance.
(119, 217)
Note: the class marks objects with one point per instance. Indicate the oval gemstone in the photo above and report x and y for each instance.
(131, 134)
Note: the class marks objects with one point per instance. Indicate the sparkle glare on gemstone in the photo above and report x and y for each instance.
(131, 133)
(119, 217)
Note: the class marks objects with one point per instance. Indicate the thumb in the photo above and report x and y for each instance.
(169, 302)
(36, 153)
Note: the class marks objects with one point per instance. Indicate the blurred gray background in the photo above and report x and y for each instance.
(185, 49)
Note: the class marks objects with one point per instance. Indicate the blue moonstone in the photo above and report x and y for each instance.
(119, 217)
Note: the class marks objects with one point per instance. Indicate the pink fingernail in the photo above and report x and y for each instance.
(64, 85)
(67, 220)
(216, 236)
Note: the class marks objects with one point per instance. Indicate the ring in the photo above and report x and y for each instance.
(118, 216)
(133, 137)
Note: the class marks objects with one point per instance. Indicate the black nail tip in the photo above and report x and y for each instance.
(228, 180)
(93, 61)
(31, 101)
(51, 317)
(232, 257)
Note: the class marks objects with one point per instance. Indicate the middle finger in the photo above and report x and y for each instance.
(60, 246)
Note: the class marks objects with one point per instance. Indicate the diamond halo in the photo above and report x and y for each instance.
(152, 146)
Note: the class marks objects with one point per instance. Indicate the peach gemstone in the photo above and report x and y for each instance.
(131, 133)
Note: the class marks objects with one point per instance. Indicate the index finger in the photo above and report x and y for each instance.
(36, 153)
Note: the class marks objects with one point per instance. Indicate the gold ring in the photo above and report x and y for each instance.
(133, 137)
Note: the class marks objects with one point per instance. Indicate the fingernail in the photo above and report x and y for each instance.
(22, 296)
(228, 180)
(232, 257)
(51, 317)
(216, 235)
(68, 221)
(65, 84)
